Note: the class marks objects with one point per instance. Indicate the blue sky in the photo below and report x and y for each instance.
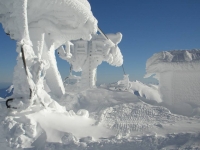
(148, 26)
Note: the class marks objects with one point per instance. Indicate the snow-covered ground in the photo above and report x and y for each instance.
(100, 118)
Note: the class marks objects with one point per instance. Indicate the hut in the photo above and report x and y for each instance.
(178, 73)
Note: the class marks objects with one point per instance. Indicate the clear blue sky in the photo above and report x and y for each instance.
(148, 26)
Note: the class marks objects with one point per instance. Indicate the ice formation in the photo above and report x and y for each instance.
(40, 27)
(145, 92)
(179, 80)
(91, 119)
(123, 85)
(85, 55)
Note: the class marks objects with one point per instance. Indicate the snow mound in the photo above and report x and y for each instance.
(147, 92)
(137, 117)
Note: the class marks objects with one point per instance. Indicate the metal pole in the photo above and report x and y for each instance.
(123, 69)
(102, 33)
(25, 68)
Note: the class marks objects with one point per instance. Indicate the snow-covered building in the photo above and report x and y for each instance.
(178, 73)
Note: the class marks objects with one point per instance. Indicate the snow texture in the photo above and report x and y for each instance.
(114, 119)
(40, 27)
(98, 118)
(179, 80)
(85, 56)
(147, 92)
(177, 60)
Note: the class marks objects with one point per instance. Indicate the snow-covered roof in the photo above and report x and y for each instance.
(176, 60)
(64, 19)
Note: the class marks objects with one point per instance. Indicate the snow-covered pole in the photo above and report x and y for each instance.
(23, 84)
(22, 21)
(111, 43)
(24, 41)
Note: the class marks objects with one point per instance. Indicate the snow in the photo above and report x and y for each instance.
(57, 124)
(178, 75)
(86, 56)
(40, 32)
(101, 118)
(177, 60)
(125, 115)
(148, 92)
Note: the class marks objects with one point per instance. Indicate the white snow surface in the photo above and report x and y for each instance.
(179, 81)
(99, 118)
(176, 60)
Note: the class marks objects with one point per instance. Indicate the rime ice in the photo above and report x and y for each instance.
(85, 56)
(106, 117)
(179, 80)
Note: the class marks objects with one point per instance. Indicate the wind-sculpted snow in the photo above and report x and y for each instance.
(148, 92)
(126, 118)
(56, 17)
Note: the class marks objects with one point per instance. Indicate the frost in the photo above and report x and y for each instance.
(108, 117)
(178, 75)
(176, 60)
(86, 56)
(40, 32)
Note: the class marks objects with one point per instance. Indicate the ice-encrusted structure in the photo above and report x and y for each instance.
(86, 55)
(178, 75)
(40, 27)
